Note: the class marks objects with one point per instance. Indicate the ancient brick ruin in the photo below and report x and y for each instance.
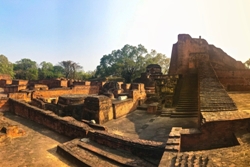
(197, 87)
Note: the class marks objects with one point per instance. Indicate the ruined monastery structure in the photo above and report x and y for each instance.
(201, 85)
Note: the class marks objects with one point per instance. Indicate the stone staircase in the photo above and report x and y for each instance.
(174, 139)
(213, 96)
(84, 152)
(187, 105)
(173, 157)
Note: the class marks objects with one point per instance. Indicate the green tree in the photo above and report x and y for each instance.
(129, 62)
(6, 67)
(58, 71)
(70, 68)
(46, 70)
(158, 58)
(85, 75)
(26, 69)
(126, 62)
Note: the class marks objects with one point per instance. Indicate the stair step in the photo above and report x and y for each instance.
(172, 148)
(187, 109)
(173, 141)
(88, 153)
(183, 116)
(186, 105)
(175, 132)
(183, 113)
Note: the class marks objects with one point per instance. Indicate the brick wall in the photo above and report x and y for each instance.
(124, 107)
(136, 146)
(64, 125)
(72, 128)
(98, 108)
(4, 82)
(20, 96)
(214, 135)
(58, 92)
(14, 88)
(19, 82)
(5, 76)
(4, 105)
(187, 45)
(237, 80)
(54, 83)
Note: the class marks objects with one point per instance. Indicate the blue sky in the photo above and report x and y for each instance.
(85, 30)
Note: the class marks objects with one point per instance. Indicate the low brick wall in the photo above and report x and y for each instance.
(58, 92)
(121, 108)
(136, 146)
(14, 88)
(20, 96)
(64, 125)
(4, 104)
(76, 129)
(5, 76)
(214, 135)
(54, 83)
(4, 82)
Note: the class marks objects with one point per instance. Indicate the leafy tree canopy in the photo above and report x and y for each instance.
(26, 69)
(6, 67)
(70, 68)
(46, 70)
(129, 62)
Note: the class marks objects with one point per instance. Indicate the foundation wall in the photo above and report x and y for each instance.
(14, 88)
(235, 80)
(4, 104)
(54, 83)
(136, 146)
(122, 108)
(5, 76)
(20, 82)
(58, 92)
(20, 96)
(65, 125)
(214, 135)
(98, 108)
(4, 82)
(76, 129)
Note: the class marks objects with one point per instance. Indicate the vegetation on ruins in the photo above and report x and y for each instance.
(129, 62)
(6, 67)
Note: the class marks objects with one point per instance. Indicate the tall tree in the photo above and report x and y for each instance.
(58, 71)
(158, 58)
(126, 62)
(26, 69)
(6, 67)
(129, 62)
(46, 70)
(70, 68)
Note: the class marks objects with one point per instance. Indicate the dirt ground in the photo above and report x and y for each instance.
(140, 125)
(36, 148)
